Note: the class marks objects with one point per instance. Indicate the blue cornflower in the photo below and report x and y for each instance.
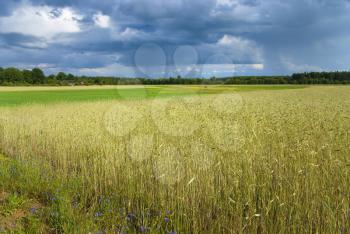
(98, 214)
(143, 229)
(166, 220)
(33, 210)
(104, 200)
(53, 198)
(131, 217)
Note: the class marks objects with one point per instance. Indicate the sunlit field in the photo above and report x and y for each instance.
(177, 159)
(14, 96)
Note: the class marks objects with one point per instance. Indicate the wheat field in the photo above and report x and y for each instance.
(270, 161)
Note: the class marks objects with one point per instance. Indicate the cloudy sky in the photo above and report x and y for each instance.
(156, 38)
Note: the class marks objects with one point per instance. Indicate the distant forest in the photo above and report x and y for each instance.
(16, 77)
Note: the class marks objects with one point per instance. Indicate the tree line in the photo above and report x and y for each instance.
(13, 76)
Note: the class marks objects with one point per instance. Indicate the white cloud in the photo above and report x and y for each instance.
(258, 66)
(128, 34)
(109, 70)
(293, 67)
(41, 21)
(234, 9)
(103, 21)
(227, 3)
(231, 55)
(240, 48)
(246, 13)
(229, 40)
(35, 44)
(116, 31)
(228, 69)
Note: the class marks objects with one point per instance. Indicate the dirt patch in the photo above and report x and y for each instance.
(14, 221)
(3, 196)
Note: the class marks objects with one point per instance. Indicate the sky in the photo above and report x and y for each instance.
(163, 38)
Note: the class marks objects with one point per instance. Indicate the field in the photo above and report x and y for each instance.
(175, 159)
(14, 96)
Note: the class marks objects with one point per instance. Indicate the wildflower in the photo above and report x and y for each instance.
(166, 220)
(131, 217)
(172, 232)
(33, 210)
(103, 200)
(122, 230)
(168, 212)
(98, 214)
(52, 198)
(143, 229)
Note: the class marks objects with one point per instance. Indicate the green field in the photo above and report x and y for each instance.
(47, 95)
(244, 159)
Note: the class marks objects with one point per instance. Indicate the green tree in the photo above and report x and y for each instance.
(12, 75)
(38, 76)
(1, 75)
(61, 76)
(27, 76)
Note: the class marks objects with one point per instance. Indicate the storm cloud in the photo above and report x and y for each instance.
(175, 37)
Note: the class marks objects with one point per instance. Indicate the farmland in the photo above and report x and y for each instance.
(12, 96)
(178, 159)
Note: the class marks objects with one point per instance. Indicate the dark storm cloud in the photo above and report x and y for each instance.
(284, 36)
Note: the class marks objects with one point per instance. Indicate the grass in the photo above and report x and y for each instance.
(10, 96)
(266, 161)
(31, 203)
